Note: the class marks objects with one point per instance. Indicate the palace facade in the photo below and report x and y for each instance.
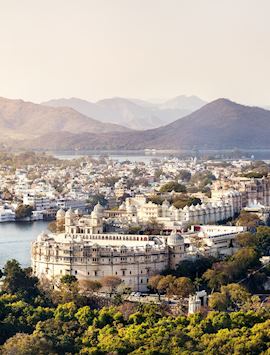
(83, 250)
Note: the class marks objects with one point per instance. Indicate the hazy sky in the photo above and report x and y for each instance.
(135, 48)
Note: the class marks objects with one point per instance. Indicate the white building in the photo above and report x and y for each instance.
(85, 251)
(6, 215)
(39, 203)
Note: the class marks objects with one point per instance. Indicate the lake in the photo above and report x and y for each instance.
(146, 157)
(15, 241)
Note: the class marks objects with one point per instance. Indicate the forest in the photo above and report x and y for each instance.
(68, 317)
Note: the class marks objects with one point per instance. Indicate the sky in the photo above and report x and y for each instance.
(147, 49)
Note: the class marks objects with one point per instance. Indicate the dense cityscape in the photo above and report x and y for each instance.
(134, 177)
(181, 245)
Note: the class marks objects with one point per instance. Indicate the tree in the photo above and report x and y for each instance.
(68, 279)
(193, 268)
(23, 211)
(248, 219)
(218, 301)
(165, 285)
(263, 240)
(245, 240)
(153, 226)
(201, 179)
(18, 280)
(244, 259)
(230, 297)
(25, 344)
(153, 283)
(183, 287)
(67, 291)
(215, 278)
(90, 286)
(111, 283)
(184, 175)
(173, 186)
(157, 199)
(180, 201)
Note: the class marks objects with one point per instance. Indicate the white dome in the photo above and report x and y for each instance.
(98, 208)
(60, 214)
(42, 237)
(175, 239)
(131, 209)
(165, 203)
(172, 208)
(69, 213)
(123, 206)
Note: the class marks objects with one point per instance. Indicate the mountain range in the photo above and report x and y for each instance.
(221, 124)
(133, 113)
(26, 120)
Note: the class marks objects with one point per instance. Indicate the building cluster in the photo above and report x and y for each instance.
(81, 248)
(117, 235)
(51, 186)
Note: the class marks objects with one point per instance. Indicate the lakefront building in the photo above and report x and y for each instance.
(83, 250)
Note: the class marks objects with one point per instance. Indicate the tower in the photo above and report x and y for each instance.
(60, 220)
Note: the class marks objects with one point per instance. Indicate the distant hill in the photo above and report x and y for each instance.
(221, 124)
(133, 113)
(183, 102)
(25, 120)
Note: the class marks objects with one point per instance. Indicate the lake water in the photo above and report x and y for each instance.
(136, 156)
(142, 156)
(15, 241)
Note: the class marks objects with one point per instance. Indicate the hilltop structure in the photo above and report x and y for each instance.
(83, 249)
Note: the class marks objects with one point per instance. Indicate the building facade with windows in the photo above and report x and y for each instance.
(83, 250)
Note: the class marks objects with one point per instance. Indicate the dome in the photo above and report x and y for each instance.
(98, 208)
(60, 214)
(175, 239)
(131, 209)
(165, 203)
(122, 206)
(42, 237)
(69, 213)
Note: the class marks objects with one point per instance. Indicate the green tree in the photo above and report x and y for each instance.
(153, 283)
(173, 186)
(248, 219)
(25, 344)
(230, 297)
(18, 280)
(23, 211)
